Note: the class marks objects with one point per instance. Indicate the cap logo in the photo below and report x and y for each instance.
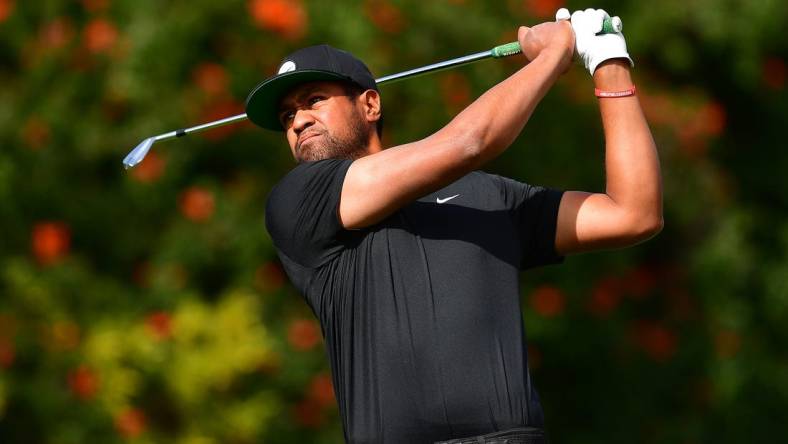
(287, 67)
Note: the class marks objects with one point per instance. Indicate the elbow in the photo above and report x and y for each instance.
(647, 227)
(654, 227)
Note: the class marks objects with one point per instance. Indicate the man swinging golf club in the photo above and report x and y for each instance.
(409, 256)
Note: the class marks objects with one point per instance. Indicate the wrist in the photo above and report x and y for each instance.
(613, 75)
(557, 56)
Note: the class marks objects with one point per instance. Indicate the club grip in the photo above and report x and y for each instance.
(506, 50)
(609, 26)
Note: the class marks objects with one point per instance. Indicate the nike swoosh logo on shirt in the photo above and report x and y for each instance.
(440, 201)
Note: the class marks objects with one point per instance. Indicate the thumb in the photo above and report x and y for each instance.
(522, 32)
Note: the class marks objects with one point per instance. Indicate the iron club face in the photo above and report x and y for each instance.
(137, 154)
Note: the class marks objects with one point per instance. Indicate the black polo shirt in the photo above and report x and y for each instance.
(421, 312)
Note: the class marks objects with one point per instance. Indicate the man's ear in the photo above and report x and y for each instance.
(370, 101)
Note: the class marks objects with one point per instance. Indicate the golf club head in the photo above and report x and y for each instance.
(137, 154)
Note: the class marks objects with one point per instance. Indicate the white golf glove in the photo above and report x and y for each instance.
(593, 49)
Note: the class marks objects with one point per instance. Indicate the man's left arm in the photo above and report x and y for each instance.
(630, 210)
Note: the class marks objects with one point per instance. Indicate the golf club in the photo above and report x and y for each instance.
(610, 25)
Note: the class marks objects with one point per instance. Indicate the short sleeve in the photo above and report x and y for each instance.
(534, 210)
(302, 212)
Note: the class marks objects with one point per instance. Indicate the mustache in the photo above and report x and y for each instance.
(303, 136)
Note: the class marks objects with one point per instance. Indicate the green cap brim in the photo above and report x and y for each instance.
(262, 105)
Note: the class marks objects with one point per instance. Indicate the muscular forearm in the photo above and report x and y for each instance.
(631, 161)
(493, 121)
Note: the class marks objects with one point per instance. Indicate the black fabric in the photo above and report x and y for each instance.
(421, 312)
(520, 435)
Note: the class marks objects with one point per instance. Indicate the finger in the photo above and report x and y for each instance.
(590, 22)
(522, 32)
(599, 18)
(576, 17)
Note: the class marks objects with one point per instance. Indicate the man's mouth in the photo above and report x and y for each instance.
(304, 137)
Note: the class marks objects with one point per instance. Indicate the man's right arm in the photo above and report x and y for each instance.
(379, 184)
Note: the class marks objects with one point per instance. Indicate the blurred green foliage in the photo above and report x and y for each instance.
(147, 305)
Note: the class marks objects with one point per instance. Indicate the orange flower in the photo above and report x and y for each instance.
(197, 204)
(219, 110)
(51, 241)
(130, 423)
(99, 35)
(659, 108)
(456, 91)
(707, 121)
(269, 277)
(308, 413)
(774, 73)
(36, 133)
(655, 339)
(285, 17)
(151, 168)
(384, 15)
(640, 281)
(321, 390)
(211, 78)
(7, 353)
(57, 33)
(303, 334)
(548, 301)
(6, 7)
(83, 382)
(605, 296)
(713, 118)
(159, 324)
(543, 8)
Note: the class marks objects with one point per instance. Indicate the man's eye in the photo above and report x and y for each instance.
(315, 99)
(286, 118)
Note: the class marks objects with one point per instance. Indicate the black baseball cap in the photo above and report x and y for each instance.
(311, 64)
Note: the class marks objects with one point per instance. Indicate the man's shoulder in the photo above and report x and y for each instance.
(307, 176)
(309, 169)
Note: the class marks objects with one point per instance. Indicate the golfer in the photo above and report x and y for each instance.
(409, 256)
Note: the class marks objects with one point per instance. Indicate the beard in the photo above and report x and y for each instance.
(324, 145)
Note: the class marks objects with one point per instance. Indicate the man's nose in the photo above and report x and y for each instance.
(302, 120)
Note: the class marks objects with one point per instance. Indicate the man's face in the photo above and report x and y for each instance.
(322, 122)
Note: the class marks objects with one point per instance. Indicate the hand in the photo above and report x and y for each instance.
(553, 37)
(593, 49)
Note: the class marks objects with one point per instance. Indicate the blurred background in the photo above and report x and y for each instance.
(148, 306)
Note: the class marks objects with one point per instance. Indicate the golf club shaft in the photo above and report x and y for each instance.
(497, 52)
(506, 50)
(383, 80)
